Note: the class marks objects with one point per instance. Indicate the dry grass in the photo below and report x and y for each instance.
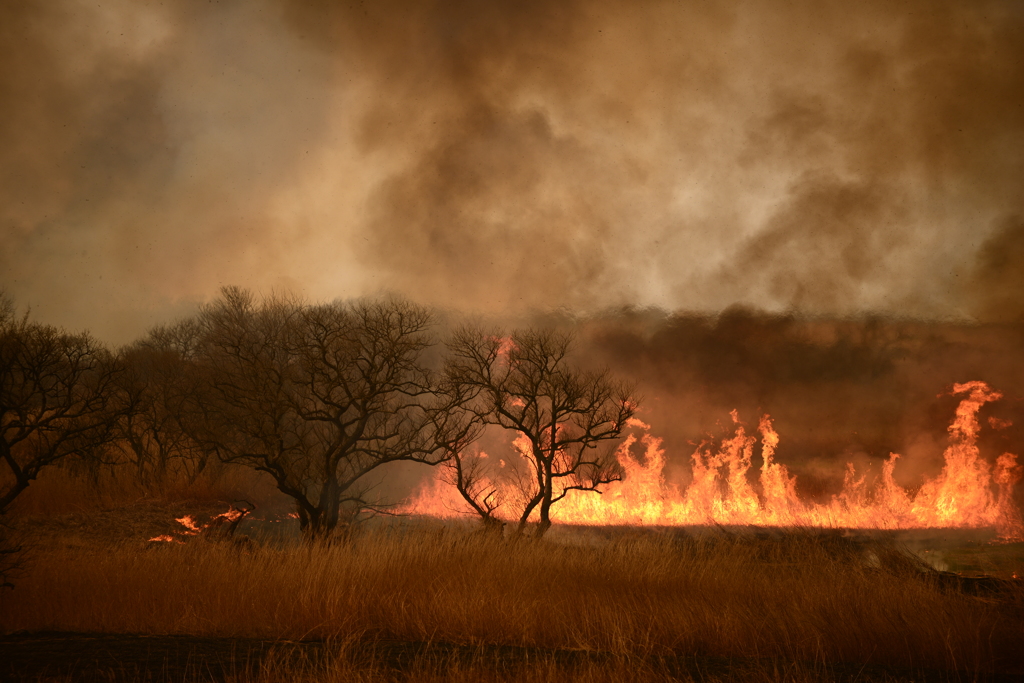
(802, 597)
(343, 665)
(346, 666)
(65, 490)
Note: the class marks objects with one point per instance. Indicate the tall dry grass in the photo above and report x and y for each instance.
(67, 490)
(802, 597)
(344, 665)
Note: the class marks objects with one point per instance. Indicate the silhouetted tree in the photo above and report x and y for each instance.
(319, 397)
(158, 386)
(527, 383)
(59, 396)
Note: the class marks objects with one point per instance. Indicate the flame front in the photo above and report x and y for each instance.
(968, 493)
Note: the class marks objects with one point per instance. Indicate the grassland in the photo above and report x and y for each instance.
(804, 605)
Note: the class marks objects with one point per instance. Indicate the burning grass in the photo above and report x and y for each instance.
(797, 597)
(969, 493)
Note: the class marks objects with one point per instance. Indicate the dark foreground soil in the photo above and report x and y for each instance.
(157, 659)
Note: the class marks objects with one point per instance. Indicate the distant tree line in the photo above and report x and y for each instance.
(318, 397)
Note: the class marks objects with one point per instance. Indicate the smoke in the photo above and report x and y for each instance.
(142, 149)
(837, 391)
(998, 279)
(831, 159)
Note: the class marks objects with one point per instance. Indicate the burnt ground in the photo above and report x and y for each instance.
(157, 659)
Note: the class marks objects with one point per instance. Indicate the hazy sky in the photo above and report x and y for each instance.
(824, 157)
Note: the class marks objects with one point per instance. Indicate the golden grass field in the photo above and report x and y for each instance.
(796, 606)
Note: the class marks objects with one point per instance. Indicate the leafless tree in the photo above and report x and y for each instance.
(59, 395)
(528, 384)
(157, 385)
(466, 472)
(319, 397)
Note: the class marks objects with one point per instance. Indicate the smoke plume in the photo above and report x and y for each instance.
(830, 159)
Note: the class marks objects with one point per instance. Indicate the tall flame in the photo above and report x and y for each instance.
(967, 493)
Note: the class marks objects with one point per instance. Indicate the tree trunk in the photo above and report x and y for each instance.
(12, 493)
(525, 518)
(317, 527)
(329, 507)
(21, 478)
(545, 502)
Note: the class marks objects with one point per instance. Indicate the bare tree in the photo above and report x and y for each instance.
(467, 473)
(157, 385)
(59, 396)
(319, 397)
(526, 383)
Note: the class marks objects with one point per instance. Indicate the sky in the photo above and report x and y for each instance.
(822, 158)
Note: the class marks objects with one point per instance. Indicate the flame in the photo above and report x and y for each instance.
(996, 423)
(505, 346)
(968, 492)
(193, 528)
(164, 539)
(231, 515)
(189, 522)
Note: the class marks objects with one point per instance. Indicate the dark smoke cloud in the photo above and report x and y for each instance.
(829, 158)
(998, 279)
(837, 391)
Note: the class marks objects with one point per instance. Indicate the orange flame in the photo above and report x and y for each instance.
(164, 539)
(967, 493)
(189, 522)
(193, 528)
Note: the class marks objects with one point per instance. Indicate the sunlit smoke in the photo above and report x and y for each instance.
(827, 158)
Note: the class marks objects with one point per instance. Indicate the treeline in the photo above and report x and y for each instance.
(318, 397)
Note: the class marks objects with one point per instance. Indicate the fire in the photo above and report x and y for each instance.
(164, 538)
(192, 528)
(189, 522)
(968, 492)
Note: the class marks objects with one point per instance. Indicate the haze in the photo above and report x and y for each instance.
(823, 158)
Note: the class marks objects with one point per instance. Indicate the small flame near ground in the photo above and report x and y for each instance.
(190, 527)
(968, 493)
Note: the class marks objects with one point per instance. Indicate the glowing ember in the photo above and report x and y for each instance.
(968, 493)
